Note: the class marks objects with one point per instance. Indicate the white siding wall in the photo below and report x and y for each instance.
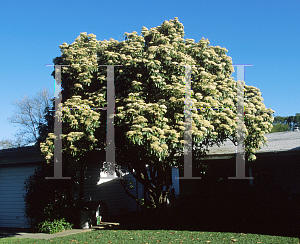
(110, 191)
(12, 180)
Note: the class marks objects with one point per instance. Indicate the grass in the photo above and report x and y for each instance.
(158, 236)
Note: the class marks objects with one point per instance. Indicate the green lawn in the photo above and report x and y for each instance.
(158, 236)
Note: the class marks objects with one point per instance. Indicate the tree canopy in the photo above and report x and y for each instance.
(285, 123)
(150, 98)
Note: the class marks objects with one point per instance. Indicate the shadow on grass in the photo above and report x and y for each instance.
(251, 212)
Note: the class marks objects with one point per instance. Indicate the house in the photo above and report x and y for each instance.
(17, 164)
(277, 166)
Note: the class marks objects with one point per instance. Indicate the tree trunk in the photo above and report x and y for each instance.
(159, 176)
(164, 179)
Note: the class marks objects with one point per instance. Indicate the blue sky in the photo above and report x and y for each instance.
(263, 33)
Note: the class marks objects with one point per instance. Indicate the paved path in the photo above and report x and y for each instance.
(22, 234)
(43, 235)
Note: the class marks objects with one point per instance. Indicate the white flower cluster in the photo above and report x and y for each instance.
(158, 122)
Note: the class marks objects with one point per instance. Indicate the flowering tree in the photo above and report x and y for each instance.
(150, 97)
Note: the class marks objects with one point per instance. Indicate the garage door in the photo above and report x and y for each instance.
(12, 178)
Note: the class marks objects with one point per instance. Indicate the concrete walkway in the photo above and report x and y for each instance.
(5, 232)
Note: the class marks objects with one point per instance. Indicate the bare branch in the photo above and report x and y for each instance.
(29, 114)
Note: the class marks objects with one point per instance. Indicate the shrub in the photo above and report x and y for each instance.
(47, 200)
(54, 226)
